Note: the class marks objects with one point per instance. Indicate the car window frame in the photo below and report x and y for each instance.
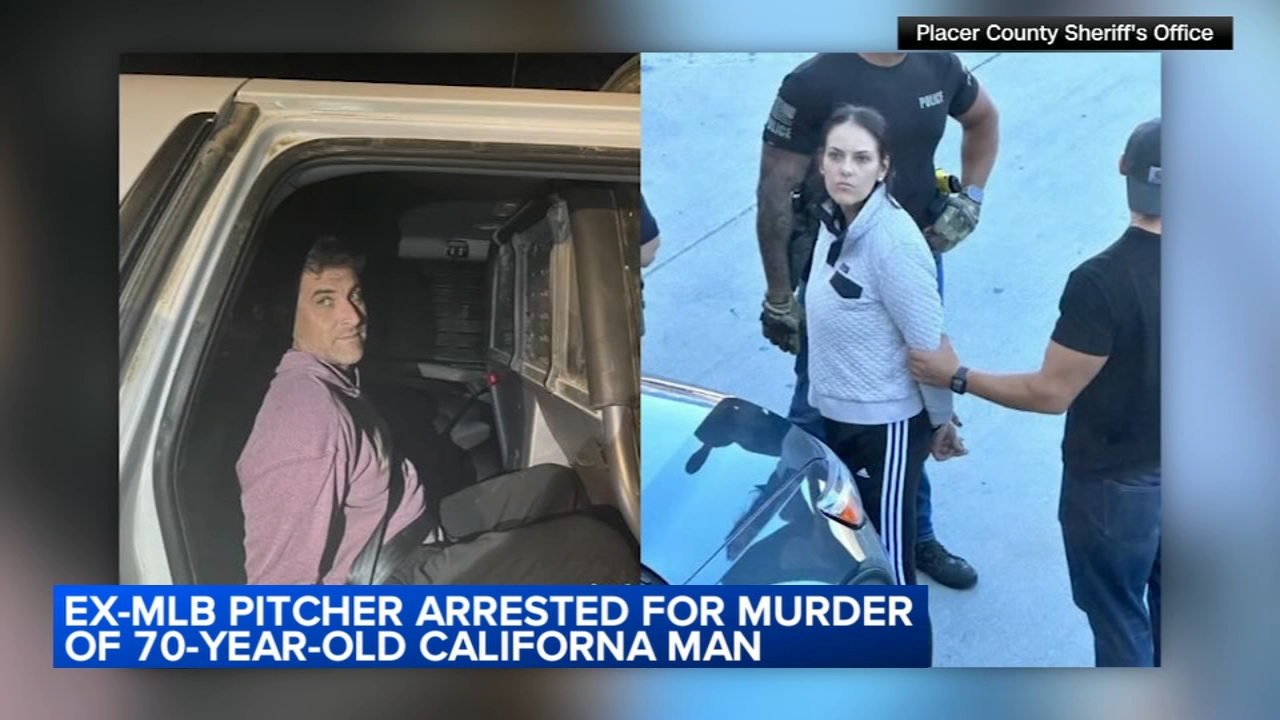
(558, 377)
(503, 356)
(174, 219)
(561, 379)
(528, 366)
(153, 188)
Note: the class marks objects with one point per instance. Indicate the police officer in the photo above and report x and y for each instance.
(1102, 368)
(915, 93)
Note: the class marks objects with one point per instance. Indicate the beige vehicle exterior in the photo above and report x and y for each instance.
(198, 157)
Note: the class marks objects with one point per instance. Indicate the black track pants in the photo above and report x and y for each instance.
(893, 457)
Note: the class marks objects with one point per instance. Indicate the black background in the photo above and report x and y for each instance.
(560, 71)
(59, 63)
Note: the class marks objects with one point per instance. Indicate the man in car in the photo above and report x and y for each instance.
(916, 93)
(1102, 368)
(322, 486)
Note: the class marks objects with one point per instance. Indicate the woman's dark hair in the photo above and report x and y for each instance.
(865, 118)
(871, 121)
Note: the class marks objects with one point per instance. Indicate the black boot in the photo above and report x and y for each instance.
(934, 560)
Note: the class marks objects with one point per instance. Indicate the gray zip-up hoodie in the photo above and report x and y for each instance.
(863, 312)
(318, 460)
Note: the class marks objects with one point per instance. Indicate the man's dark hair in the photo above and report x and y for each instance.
(279, 278)
(332, 251)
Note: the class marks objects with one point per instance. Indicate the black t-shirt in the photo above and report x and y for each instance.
(915, 97)
(1111, 307)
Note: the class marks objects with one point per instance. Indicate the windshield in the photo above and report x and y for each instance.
(707, 468)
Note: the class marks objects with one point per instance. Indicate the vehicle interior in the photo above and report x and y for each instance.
(475, 354)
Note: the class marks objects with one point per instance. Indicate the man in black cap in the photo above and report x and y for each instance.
(1102, 368)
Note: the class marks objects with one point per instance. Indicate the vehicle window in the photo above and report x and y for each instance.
(538, 301)
(504, 303)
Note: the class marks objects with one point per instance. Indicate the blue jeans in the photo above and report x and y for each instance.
(809, 419)
(1111, 534)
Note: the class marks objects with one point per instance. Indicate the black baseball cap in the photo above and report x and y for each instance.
(1141, 167)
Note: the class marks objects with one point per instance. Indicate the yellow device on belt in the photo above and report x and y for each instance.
(947, 183)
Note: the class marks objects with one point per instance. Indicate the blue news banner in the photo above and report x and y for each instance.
(112, 626)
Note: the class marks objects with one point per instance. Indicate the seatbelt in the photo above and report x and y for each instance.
(379, 558)
(364, 568)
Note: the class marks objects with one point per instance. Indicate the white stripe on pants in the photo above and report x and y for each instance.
(895, 467)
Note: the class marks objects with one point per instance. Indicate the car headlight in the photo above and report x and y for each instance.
(840, 500)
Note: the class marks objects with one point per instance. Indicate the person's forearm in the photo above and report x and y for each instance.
(938, 403)
(773, 228)
(978, 150)
(1023, 391)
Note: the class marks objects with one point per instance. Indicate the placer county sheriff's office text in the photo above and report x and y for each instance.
(1072, 32)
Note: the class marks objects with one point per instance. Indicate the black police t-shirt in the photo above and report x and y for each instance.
(1111, 307)
(915, 97)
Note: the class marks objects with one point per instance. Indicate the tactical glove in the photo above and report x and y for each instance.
(783, 323)
(957, 220)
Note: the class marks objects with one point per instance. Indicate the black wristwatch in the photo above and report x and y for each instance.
(960, 381)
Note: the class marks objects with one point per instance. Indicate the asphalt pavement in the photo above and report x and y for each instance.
(1054, 198)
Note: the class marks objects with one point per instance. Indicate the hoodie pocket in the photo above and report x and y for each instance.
(845, 287)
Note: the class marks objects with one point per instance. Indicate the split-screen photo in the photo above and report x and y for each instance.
(666, 319)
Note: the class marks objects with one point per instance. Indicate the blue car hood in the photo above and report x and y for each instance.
(714, 470)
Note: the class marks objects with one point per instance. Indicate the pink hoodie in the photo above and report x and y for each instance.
(318, 455)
